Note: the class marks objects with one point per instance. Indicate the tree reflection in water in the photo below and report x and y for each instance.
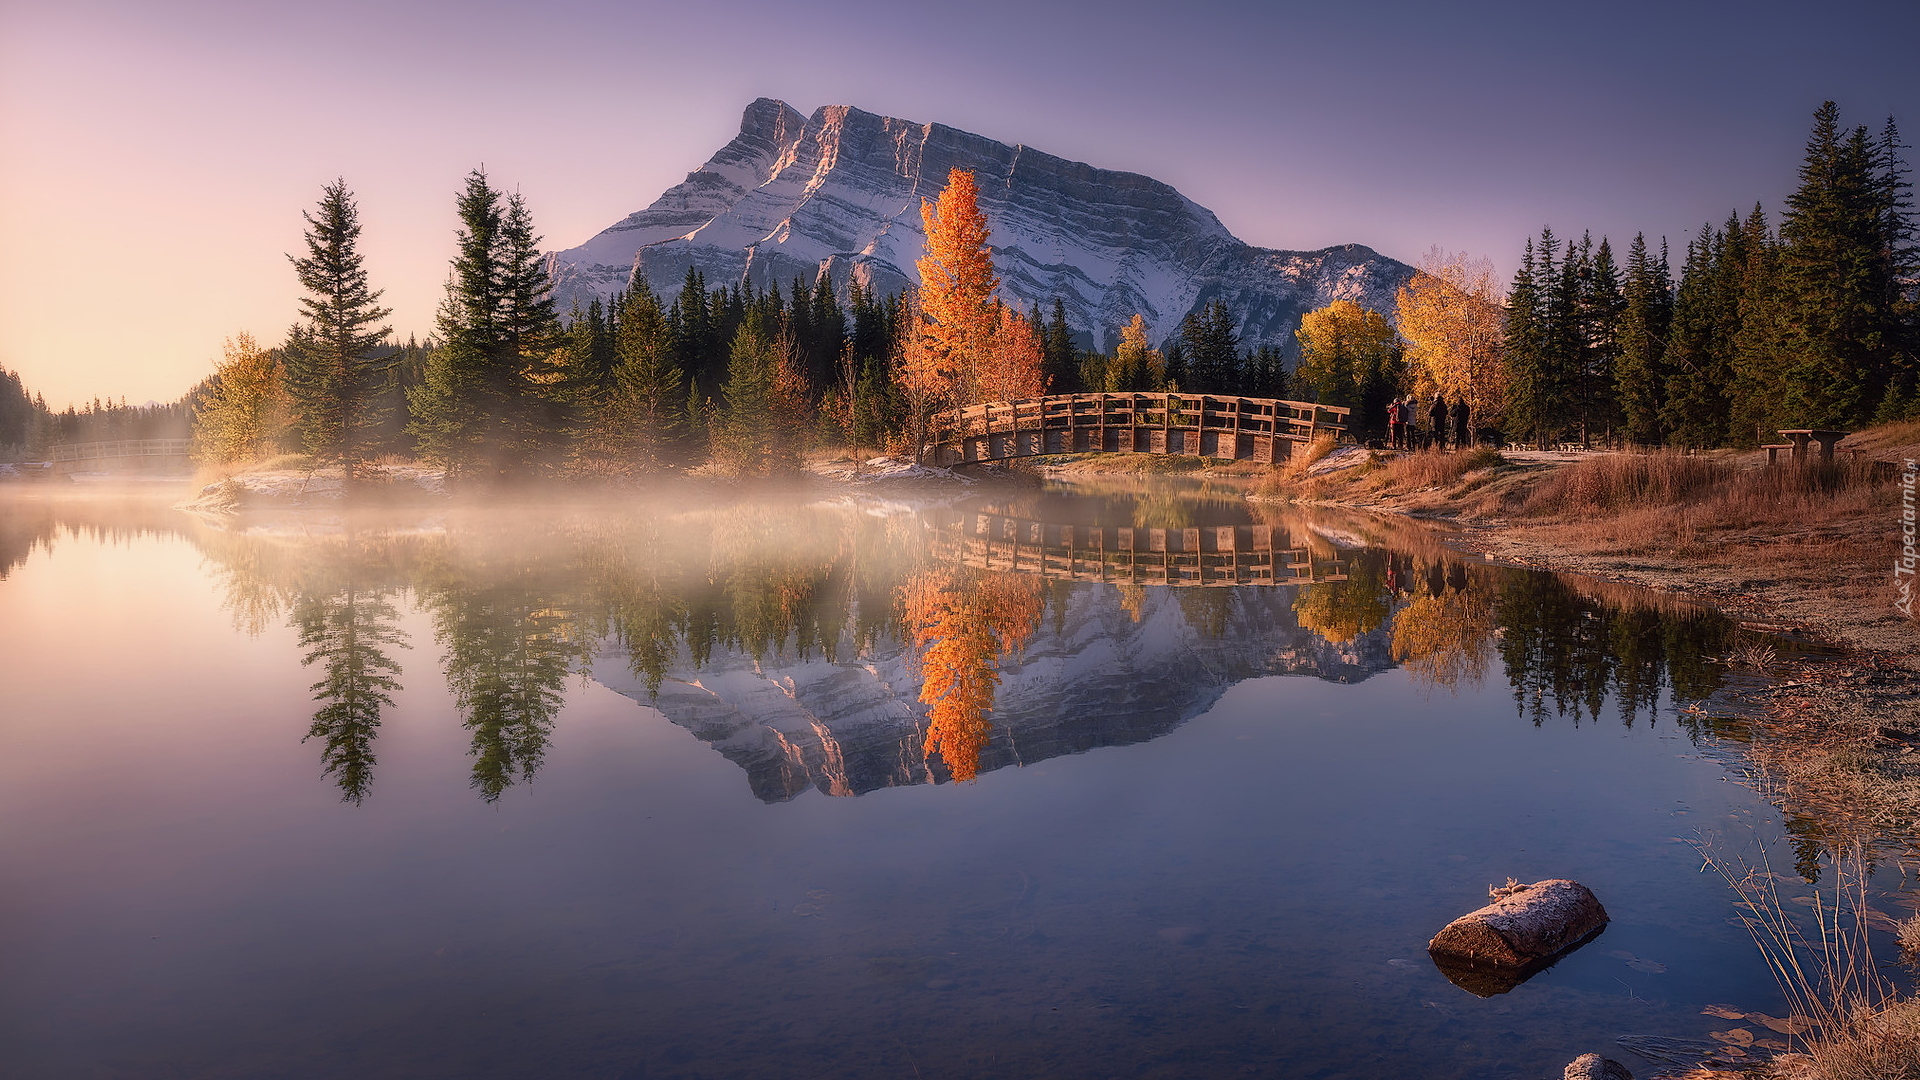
(508, 653)
(348, 630)
(964, 621)
(519, 604)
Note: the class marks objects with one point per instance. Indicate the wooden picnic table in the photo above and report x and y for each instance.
(1802, 436)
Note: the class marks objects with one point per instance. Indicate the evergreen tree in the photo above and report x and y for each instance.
(829, 325)
(1640, 373)
(1529, 382)
(1757, 334)
(336, 370)
(1696, 412)
(632, 425)
(1601, 305)
(1063, 375)
(1211, 353)
(488, 403)
(1563, 350)
(758, 428)
(1845, 237)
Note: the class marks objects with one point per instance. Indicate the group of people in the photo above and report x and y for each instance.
(1401, 413)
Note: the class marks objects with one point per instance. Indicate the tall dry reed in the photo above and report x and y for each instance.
(1843, 1011)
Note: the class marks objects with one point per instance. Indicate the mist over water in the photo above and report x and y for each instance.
(1131, 781)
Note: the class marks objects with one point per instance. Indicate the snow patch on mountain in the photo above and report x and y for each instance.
(839, 193)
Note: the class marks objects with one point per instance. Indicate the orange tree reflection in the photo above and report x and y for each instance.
(963, 622)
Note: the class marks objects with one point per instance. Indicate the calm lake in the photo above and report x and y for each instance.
(652, 791)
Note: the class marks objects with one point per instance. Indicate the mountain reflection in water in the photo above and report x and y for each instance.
(850, 647)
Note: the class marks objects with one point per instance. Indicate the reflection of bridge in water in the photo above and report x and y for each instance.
(1190, 425)
(1216, 555)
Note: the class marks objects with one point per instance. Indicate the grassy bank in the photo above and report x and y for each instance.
(1807, 547)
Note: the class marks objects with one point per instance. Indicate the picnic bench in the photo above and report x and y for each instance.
(1801, 438)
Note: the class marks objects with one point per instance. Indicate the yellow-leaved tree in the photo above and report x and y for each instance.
(1350, 356)
(961, 346)
(1451, 317)
(1134, 366)
(248, 415)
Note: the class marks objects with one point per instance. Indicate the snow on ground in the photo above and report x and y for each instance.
(883, 470)
(1344, 457)
(300, 487)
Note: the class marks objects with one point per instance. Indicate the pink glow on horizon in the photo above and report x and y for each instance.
(158, 156)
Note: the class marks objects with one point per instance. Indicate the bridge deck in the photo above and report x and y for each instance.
(136, 454)
(1195, 425)
(120, 448)
(1218, 555)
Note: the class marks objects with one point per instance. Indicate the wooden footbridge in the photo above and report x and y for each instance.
(118, 454)
(1193, 425)
(1216, 555)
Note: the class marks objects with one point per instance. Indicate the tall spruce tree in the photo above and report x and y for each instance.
(336, 368)
(487, 405)
(1597, 408)
(1529, 395)
(1211, 350)
(1842, 238)
(1757, 335)
(1697, 407)
(1063, 375)
(1640, 373)
(633, 427)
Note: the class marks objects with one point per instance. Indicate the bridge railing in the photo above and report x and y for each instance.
(1190, 422)
(1206, 412)
(120, 448)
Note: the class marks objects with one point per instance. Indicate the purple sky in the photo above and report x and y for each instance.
(157, 154)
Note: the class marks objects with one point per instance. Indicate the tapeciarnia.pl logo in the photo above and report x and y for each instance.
(1904, 566)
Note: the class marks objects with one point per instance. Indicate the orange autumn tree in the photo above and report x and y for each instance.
(963, 622)
(960, 345)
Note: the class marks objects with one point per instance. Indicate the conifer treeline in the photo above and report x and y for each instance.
(1810, 325)
(743, 377)
(28, 425)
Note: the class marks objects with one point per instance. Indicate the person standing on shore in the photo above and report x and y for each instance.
(1461, 426)
(1396, 425)
(1438, 414)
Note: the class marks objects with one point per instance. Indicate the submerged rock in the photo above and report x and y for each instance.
(1524, 925)
(1595, 1067)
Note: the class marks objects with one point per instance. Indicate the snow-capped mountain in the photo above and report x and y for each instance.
(1100, 677)
(839, 193)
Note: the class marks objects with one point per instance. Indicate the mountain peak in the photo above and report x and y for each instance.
(839, 192)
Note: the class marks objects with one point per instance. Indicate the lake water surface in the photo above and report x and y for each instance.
(652, 791)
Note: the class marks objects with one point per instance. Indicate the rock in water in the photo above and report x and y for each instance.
(1595, 1067)
(1529, 924)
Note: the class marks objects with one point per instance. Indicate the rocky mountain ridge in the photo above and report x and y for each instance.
(839, 193)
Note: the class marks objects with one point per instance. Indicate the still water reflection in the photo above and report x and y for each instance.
(1339, 731)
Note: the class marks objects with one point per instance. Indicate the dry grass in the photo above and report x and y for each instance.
(1843, 1009)
(1713, 492)
(1434, 468)
(1882, 1044)
(1615, 482)
(1307, 456)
